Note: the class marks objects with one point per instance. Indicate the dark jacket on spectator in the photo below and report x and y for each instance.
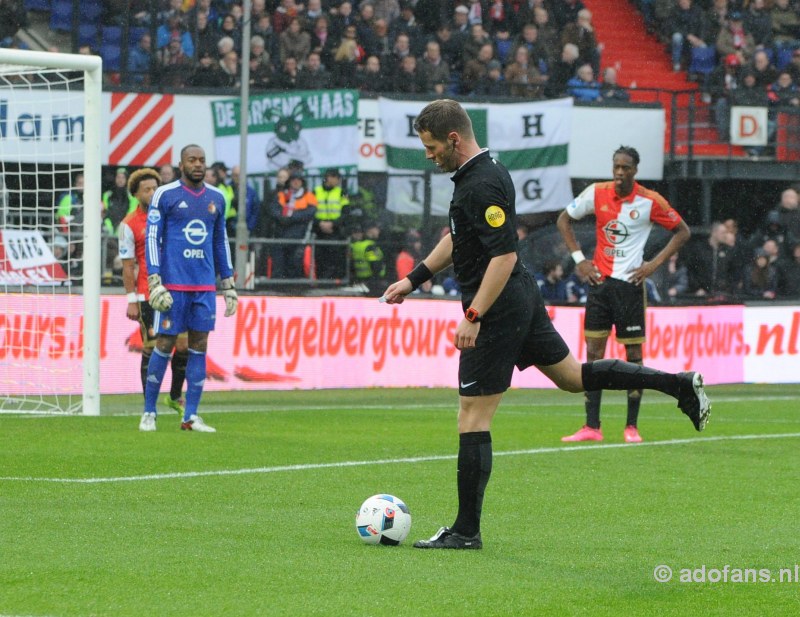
(560, 73)
(564, 13)
(206, 77)
(691, 21)
(316, 80)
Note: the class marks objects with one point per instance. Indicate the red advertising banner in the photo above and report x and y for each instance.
(305, 343)
(26, 259)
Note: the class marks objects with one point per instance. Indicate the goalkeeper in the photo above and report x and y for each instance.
(186, 247)
(141, 185)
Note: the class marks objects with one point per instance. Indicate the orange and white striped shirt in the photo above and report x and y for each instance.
(131, 246)
(623, 224)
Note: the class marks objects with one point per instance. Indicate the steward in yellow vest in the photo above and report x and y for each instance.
(328, 226)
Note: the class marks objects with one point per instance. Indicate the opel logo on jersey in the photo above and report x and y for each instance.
(616, 232)
(495, 216)
(195, 232)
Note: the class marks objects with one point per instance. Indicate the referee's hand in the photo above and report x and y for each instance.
(466, 334)
(397, 292)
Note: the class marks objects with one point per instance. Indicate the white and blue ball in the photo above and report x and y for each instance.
(383, 519)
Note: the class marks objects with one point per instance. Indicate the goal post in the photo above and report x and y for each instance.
(26, 70)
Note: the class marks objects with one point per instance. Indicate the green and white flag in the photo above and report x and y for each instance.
(531, 139)
(319, 128)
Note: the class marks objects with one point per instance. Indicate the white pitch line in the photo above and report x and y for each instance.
(392, 461)
(532, 407)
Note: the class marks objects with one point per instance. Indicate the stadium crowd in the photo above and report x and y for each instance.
(519, 48)
(723, 266)
(531, 49)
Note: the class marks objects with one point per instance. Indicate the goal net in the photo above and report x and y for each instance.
(50, 222)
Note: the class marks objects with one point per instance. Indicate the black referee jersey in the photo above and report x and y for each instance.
(483, 217)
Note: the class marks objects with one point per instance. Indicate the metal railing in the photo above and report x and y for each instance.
(258, 248)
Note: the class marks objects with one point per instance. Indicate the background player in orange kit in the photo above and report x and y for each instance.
(624, 212)
(142, 184)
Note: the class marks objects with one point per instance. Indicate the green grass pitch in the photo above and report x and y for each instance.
(258, 519)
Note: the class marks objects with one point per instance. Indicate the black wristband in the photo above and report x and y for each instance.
(419, 275)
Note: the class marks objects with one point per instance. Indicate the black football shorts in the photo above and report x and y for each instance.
(516, 331)
(619, 304)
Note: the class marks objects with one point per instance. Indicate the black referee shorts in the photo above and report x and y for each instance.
(516, 331)
(619, 304)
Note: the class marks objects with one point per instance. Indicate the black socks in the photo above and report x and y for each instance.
(591, 399)
(619, 375)
(179, 360)
(474, 469)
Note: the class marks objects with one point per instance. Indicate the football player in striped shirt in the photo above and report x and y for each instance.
(624, 213)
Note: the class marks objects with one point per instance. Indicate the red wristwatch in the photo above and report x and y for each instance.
(472, 315)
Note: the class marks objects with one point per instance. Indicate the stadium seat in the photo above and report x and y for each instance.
(783, 58)
(91, 11)
(503, 49)
(87, 35)
(454, 87)
(111, 35)
(61, 16)
(37, 5)
(135, 34)
(704, 60)
(111, 56)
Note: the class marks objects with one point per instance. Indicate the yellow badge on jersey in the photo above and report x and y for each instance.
(495, 216)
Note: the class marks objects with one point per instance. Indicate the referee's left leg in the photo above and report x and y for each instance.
(474, 459)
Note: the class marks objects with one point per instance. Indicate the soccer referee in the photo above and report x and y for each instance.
(505, 322)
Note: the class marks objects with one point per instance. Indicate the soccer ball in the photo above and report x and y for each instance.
(383, 519)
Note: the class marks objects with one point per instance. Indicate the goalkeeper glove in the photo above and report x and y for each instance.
(230, 295)
(160, 298)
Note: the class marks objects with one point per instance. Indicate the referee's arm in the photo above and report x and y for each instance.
(494, 280)
(441, 256)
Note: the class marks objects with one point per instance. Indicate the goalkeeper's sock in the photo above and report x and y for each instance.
(195, 380)
(146, 353)
(179, 360)
(155, 375)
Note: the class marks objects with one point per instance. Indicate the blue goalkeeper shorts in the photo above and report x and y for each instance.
(191, 310)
